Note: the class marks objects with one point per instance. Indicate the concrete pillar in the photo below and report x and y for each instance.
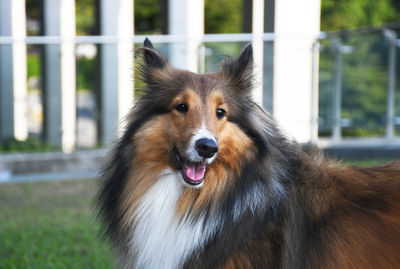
(59, 78)
(13, 88)
(186, 18)
(116, 19)
(258, 48)
(297, 24)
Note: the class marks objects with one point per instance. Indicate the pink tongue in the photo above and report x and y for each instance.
(195, 172)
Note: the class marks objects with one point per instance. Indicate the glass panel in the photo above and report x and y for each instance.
(364, 80)
(268, 76)
(325, 109)
(6, 96)
(397, 96)
(215, 52)
(397, 112)
(364, 92)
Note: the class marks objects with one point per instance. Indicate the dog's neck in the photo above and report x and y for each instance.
(160, 239)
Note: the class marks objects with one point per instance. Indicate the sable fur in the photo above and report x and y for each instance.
(264, 202)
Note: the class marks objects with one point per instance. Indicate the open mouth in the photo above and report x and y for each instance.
(192, 172)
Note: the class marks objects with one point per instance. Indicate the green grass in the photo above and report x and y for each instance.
(50, 225)
(366, 162)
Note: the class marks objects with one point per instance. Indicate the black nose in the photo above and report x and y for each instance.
(206, 147)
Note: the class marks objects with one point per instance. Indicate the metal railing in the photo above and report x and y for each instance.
(354, 47)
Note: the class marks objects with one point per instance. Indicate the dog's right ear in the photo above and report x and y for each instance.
(152, 58)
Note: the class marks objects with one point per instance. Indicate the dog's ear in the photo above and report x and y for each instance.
(147, 43)
(245, 60)
(152, 57)
(239, 71)
(152, 69)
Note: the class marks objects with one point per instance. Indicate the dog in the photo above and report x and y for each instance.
(202, 177)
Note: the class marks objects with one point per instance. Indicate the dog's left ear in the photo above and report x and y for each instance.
(152, 57)
(239, 71)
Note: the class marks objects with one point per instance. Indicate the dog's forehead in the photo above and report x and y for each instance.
(201, 84)
(201, 97)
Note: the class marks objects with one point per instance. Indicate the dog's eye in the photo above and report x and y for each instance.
(182, 107)
(221, 113)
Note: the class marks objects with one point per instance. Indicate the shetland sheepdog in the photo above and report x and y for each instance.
(203, 178)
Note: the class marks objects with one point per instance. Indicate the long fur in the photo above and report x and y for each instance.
(263, 203)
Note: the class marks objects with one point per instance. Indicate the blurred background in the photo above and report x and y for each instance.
(328, 72)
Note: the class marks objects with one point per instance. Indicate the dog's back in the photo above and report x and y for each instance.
(357, 217)
(343, 217)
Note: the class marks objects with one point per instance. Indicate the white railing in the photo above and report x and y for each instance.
(162, 39)
(101, 39)
(290, 74)
(336, 139)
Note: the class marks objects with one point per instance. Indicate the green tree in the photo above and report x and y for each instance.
(148, 17)
(223, 16)
(345, 14)
(86, 17)
(364, 70)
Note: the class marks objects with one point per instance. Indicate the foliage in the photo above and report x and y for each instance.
(228, 19)
(345, 14)
(364, 85)
(364, 70)
(34, 64)
(29, 145)
(223, 16)
(85, 73)
(86, 17)
(33, 9)
(148, 17)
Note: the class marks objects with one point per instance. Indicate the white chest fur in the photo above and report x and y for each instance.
(159, 239)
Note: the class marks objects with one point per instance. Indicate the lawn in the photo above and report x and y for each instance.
(52, 225)
(366, 162)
